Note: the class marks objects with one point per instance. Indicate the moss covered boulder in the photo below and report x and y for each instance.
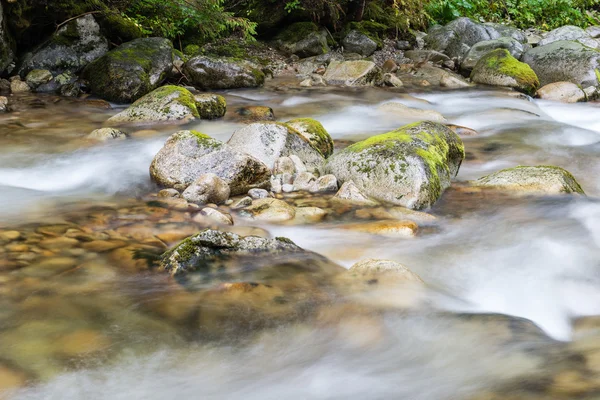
(268, 141)
(222, 73)
(172, 104)
(353, 73)
(189, 154)
(7, 53)
(410, 166)
(303, 39)
(538, 180)
(564, 61)
(218, 255)
(514, 47)
(131, 70)
(314, 133)
(70, 49)
(500, 68)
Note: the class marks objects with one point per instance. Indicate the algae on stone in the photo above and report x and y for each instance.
(315, 133)
(410, 166)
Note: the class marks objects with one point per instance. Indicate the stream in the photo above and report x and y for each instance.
(512, 284)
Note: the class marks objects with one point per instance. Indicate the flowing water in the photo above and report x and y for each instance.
(509, 281)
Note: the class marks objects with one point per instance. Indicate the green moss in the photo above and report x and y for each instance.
(389, 139)
(297, 31)
(597, 74)
(210, 106)
(374, 30)
(205, 141)
(316, 134)
(191, 50)
(119, 29)
(503, 62)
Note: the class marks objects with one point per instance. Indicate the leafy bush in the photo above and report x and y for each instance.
(205, 19)
(545, 14)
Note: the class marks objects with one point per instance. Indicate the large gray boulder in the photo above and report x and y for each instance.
(509, 31)
(131, 70)
(359, 43)
(410, 166)
(268, 141)
(567, 32)
(303, 39)
(70, 49)
(456, 38)
(168, 104)
(514, 47)
(539, 180)
(7, 54)
(189, 154)
(222, 73)
(352, 73)
(564, 61)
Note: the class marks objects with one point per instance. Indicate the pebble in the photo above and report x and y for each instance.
(258, 193)
(326, 183)
(276, 184)
(82, 342)
(59, 243)
(214, 215)
(241, 203)
(304, 181)
(307, 215)
(169, 193)
(287, 188)
(10, 235)
(101, 246)
(388, 228)
(271, 210)
(298, 164)
(284, 165)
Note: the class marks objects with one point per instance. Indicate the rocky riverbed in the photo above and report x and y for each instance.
(410, 225)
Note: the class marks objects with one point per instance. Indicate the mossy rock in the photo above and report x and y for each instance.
(131, 70)
(315, 133)
(119, 29)
(500, 68)
(172, 104)
(303, 39)
(70, 49)
(222, 73)
(410, 166)
(210, 106)
(374, 30)
(255, 113)
(538, 180)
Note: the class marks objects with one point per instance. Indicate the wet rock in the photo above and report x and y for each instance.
(388, 228)
(218, 253)
(270, 210)
(324, 184)
(389, 67)
(384, 269)
(565, 92)
(82, 342)
(208, 188)
(421, 56)
(11, 379)
(409, 114)
(427, 75)
(58, 243)
(215, 215)
(168, 104)
(392, 81)
(456, 38)
(71, 48)
(38, 77)
(314, 133)
(540, 180)
(18, 86)
(9, 235)
(188, 154)
(167, 193)
(359, 43)
(258, 193)
(131, 70)
(410, 166)
(103, 246)
(104, 134)
(303, 39)
(268, 141)
(567, 32)
(304, 181)
(210, 106)
(49, 267)
(452, 81)
(350, 193)
(284, 165)
(3, 104)
(482, 48)
(400, 213)
(222, 73)
(309, 215)
(243, 202)
(499, 68)
(256, 113)
(352, 73)
(564, 61)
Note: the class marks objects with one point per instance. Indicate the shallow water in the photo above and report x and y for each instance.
(92, 325)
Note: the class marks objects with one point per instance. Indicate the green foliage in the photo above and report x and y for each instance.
(544, 14)
(176, 18)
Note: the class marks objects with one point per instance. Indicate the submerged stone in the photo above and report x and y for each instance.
(540, 180)
(410, 166)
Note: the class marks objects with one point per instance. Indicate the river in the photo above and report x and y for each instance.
(77, 323)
